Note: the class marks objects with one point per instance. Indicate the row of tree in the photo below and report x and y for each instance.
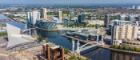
(126, 47)
(85, 25)
(3, 34)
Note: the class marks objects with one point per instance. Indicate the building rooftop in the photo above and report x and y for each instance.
(3, 18)
(53, 46)
(17, 24)
(57, 20)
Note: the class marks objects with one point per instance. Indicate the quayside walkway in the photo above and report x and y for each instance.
(119, 50)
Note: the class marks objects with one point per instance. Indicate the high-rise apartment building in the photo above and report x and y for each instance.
(44, 13)
(60, 15)
(33, 16)
(124, 31)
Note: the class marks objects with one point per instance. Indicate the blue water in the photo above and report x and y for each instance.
(93, 53)
(56, 38)
(59, 40)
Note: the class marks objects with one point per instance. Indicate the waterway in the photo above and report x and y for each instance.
(94, 53)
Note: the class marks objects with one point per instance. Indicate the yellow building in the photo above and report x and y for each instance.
(125, 32)
(60, 15)
(44, 12)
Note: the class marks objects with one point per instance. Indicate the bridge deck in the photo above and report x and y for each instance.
(77, 39)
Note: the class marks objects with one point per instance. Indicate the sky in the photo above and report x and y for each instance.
(69, 1)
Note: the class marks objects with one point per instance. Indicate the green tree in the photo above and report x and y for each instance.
(3, 34)
(66, 50)
(77, 58)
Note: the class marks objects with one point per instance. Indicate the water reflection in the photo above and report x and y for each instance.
(124, 56)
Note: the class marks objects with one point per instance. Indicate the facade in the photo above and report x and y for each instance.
(138, 33)
(60, 15)
(33, 16)
(67, 22)
(132, 17)
(52, 52)
(138, 19)
(124, 31)
(15, 34)
(119, 55)
(138, 28)
(93, 22)
(81, 18)
(128, 17)
(123, 17)
(46, 25)
(44, 13)
(106, 20)
(57, 20)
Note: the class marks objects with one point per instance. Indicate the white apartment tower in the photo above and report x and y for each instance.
(60, 15)
(124, 31)
(44, 13)
(33, 16)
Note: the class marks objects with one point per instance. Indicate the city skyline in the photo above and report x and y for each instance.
(70, 29)
(49, 2)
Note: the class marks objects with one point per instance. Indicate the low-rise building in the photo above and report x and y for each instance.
(16, 36)
(52, 52)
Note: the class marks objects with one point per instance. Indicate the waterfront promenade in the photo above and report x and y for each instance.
(119, 50)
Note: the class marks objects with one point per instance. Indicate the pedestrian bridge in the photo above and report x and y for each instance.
(87, 44)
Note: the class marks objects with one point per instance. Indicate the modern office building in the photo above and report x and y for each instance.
(46, 25)
(106, 20)
(132, 17)
(81, 18)
(123, 16)
(60, 15)
(52, 52)
(67, 22)
(124, 31)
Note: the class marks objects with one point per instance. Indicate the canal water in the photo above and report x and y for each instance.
(93, 54)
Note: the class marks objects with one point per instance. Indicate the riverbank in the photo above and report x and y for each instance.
(119, 50)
